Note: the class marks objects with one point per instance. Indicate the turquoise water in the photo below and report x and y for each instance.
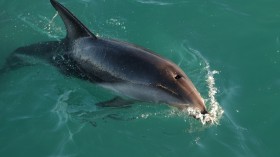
(44, 113)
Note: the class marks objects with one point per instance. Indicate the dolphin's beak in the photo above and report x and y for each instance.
(197, 101)
(192, 96)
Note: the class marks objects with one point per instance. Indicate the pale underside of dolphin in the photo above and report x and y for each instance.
(131, 71)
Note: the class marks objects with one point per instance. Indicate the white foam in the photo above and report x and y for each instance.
(215, 111)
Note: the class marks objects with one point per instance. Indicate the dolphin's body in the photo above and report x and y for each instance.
(127, 69)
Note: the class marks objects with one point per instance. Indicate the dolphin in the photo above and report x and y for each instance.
(131, 71)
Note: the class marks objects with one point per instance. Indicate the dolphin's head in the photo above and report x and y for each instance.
(173, 81)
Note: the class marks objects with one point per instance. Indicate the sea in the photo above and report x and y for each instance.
(229, 49)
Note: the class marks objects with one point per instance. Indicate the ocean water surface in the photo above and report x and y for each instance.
(229, 49)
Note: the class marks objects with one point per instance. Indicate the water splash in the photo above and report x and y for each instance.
(215, 111)
(49, 24)
(117, 22)
(43, 25)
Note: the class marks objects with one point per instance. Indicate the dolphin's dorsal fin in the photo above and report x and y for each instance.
(75, 29)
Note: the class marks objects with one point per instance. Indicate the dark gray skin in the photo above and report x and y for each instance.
(135, 72)
(129, 70)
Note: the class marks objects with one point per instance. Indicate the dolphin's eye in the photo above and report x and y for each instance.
(178, 77)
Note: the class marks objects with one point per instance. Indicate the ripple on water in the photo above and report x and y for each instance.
(159, 2)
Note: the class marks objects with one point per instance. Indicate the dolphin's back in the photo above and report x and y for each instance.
(108, 60)
(118, 60)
